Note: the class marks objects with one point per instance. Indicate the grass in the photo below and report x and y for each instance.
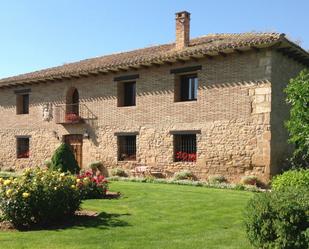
(149, 216)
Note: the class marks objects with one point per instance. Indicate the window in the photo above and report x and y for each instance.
(127, 148)
(22, 103)
(185, 147)
(22, 147)
(186, 88)
(126, 93)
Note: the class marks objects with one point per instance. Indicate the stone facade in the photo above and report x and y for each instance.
(239, 112)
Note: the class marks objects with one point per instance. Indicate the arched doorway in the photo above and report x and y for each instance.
(72, 101)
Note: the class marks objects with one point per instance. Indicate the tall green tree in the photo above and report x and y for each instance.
(298, 124)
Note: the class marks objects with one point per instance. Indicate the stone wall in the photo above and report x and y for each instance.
(283, 69)
(232, 113)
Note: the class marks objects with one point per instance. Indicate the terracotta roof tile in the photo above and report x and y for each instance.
(198, 46)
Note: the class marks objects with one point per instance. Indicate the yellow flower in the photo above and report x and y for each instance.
(9, 192)
(55, 188)
(78, 180)
(62, 174)
(73, 186)
(7, 182)
(26, 195)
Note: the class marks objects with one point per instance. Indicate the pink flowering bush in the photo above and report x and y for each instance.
(91, 185)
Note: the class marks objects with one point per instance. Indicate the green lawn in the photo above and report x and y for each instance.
(149, 216)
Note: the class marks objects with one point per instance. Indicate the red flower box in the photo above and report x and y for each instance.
(185, 157)
(24, 154)
(72, 118)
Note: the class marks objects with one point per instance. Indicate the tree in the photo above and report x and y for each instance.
(298, 124)
(64, 160)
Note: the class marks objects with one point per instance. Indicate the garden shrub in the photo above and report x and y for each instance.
(215, 179)
(249, 180)
(118, 172)
(47, 163)
(94, 166)
(291, 178)
(64, 160)
(92, 186)
(184, 175)
(39, 197)
(278, 219)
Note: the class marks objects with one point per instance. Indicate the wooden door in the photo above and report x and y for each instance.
(76, 143)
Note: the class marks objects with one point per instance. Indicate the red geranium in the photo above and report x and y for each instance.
(72, 117)
(185, 157)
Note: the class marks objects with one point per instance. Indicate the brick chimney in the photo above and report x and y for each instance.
(182, 29)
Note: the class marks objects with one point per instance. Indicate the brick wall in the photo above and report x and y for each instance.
(232, 112)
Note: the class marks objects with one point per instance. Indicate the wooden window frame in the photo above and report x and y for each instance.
(22, 103)
(186, 90)
(123, 89)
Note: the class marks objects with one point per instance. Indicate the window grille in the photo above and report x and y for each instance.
(185, 147)
(127, 148)
(22, 147)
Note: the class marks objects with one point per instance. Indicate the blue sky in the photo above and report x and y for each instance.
(36, 34)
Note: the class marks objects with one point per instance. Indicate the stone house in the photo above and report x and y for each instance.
(213, 105)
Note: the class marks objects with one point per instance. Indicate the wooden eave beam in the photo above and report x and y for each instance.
(133, 68)
(256, 49)
(222, 54)
(194, 58)
(101, 71)
(181, 60)
(145, 66)
(238, 51)
(156, 64)
(94, 73)
(111, 70)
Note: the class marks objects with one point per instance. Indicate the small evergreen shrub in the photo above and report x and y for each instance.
(215, 179)
(249, 180)
(64, 160)
(92, 186)
(291, 178)
(278, 219)
(118, 172)
(39, 197)
(184, 175)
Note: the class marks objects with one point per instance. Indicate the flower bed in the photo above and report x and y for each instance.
(250, 188)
